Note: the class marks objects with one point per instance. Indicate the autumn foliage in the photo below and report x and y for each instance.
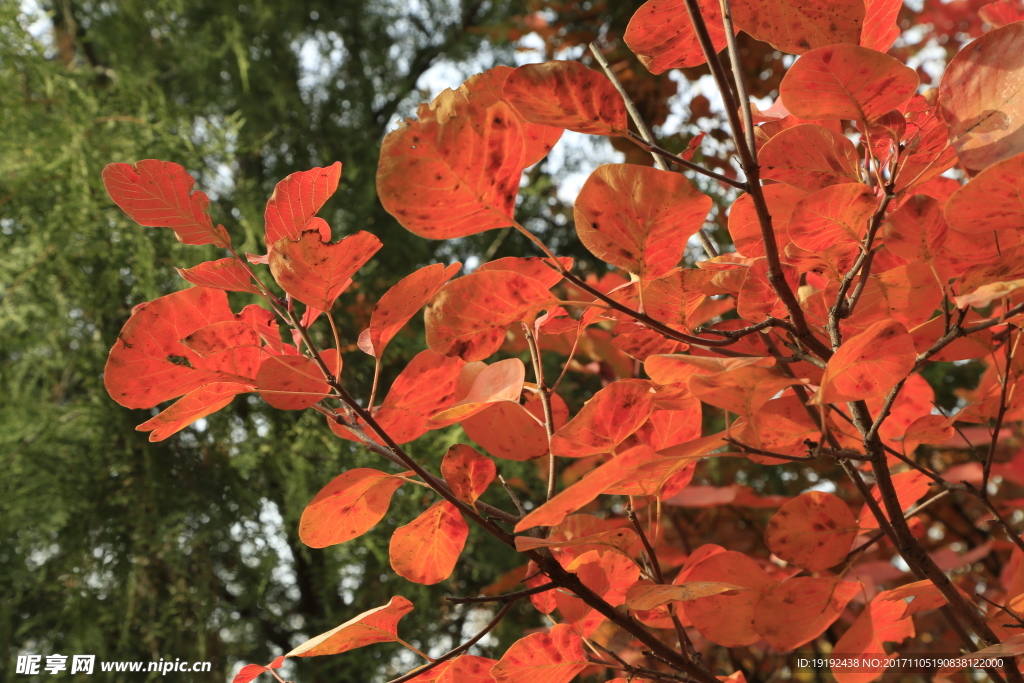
(878, 231)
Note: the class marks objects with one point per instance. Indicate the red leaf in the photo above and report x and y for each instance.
(498, 382)
(456, 171)
(294, 382)
(607, 574)
(799, 610)
(639, 218)
(993, 200)
(728, 620)
(158, 194)
(796, 27)
(880, 29)
(194, 405)
(315, 272)
(464, 669)
(567, 95)
(426, 550)
(222, 336)
(468, 317)
(868, 365)
(467, 472)
(836, 215)
(378, 625)
(606, 420)
(651, 595)
(251, 671)
(541, 269)
(400, 303)
(553, 657)
(149, 364)
(662, 36)
(226, 273)
(296, 200)
(881, 621)
(515, 432)
(347, 507)
(846, 82)
(742, 390)
(980, 98)
(809, 157)
(1001, 12)
(910, 487)
(814, 530)
(744, 225)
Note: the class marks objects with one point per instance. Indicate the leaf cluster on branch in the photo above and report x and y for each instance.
(858, 265)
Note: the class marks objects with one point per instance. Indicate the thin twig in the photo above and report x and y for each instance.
(508, 597)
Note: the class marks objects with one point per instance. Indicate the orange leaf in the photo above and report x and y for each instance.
(535, 267)
(294, 382)
(501, 381)
(639, 218)
(836, 215)
(649, 596)
(728, 620)
(980, 99)
(226, 273)
(846, 82)
(296, 200)
(607, 574)
(378, 625)
(467, 472)
(515, 432)
(456, 171)
(881, 621)
(813, 531)
(910, 487)
(993, 200)
(662, 36)
(799, 610)
(553, 657)
(194, 405)
(148, 364)
(880, 28)
(611, 415)
(158, 194)
(809, 157)
(743, 390)
(744, 225)
(426, 550)
(400, 303)
(316, 272)
(618, 539)
(868, 365)
(464, 669)
(251, 671)
(567, 94)
(222, 336)
(797, 26)
(468, 317)
(347, 507)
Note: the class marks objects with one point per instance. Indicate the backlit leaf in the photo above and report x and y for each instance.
(566, 94)
(467, 472)
(349, 506)
(728, 619)
(809, 157)
(814, 530)
(468, 317)
(846, 82)
(553, 657)
(607, 574)
(909, 486)
(880, 29)
(251, 671)
(836, 215)
(800, 609)
(194, 405)
(463, 669)
(226, 273)
(378, 625)
(652, 595)
(515, 432)
(993, 200)
(981, 99)
(605, 420)
(501, 381)
(294, 382)
(869, 364)
(881, 621)
(638, 217)
(149, 364)
(315, 272)
(297, 199)
(426, 550)
(400, 303)
(619, 539)
(222, 336)
(796, 26)
(158, 194)
(744, 225)
(662, 36)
